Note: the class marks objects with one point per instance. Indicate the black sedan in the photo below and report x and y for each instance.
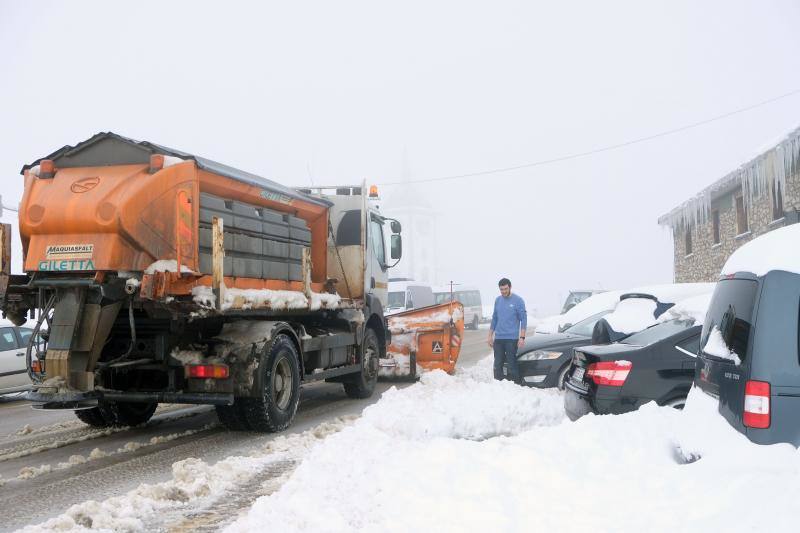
(545, 358)
(656, 364)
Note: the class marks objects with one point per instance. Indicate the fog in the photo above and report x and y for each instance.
(344, 92)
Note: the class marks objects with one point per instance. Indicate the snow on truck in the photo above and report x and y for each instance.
(159, 276)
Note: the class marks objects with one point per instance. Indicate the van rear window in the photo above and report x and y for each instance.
(731, 312)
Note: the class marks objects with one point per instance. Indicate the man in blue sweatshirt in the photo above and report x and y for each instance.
(509, 322)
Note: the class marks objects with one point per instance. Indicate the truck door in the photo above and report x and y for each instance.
(377, 270)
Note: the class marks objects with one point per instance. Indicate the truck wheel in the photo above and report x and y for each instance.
(93, 417)
(274, 409)
(362, 385)
(128, 413)
(232, 417)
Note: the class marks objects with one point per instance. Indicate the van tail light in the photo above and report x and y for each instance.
(610, 373)
(207, 371)
(756, 404)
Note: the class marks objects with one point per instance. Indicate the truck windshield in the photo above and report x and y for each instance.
(731, 313)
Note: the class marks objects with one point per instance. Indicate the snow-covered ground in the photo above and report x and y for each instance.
(466, 453)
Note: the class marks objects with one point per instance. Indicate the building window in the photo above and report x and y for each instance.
(741, 216)
(715, 225)
(777, 200)
(688, 240)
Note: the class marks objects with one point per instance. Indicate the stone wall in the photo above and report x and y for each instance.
(707, 259)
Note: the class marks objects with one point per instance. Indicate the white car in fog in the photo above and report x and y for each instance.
(13, 370)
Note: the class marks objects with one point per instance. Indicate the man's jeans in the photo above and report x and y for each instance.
(505, 351)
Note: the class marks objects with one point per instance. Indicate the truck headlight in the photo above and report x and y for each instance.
(538, 355)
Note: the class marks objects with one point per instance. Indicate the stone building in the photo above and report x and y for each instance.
(761, 195)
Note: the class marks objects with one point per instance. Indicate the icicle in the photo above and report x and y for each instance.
(764, 174)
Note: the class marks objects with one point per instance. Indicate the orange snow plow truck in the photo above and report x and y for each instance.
(155, 275)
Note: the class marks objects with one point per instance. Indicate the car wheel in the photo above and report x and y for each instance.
(562, 377)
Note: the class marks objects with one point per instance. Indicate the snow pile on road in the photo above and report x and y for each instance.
(427, 458)
(193, 483)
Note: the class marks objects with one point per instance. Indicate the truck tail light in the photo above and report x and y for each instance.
(610, 373)
(207, 371)
(756, 404)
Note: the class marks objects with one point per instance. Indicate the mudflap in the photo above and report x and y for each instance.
(428, 338)
(63, 400)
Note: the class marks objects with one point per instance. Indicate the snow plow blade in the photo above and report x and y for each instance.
(427, 338)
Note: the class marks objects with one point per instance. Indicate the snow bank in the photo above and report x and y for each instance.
(656, 469)
(776, 250)
(693, 308)
(716, 346)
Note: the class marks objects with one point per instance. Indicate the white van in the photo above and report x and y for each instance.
(408, 294)
(469, 297)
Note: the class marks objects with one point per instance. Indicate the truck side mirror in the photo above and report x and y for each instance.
(396, 228)
(397, 246)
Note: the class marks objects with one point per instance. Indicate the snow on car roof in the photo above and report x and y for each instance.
(694, 308)
(776, 250)
(606, 301)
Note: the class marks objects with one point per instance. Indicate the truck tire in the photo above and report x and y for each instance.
(128, 413)
(274, 409)
(93, 417)
(362, 385)
(232, 417)
(111, 413)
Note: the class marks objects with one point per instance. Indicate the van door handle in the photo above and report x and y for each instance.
(21, 354)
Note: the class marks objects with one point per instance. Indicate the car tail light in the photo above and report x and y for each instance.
(207, 371)
(611, 373)
(756, 404)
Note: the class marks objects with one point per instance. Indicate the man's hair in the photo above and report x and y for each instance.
(504, 281)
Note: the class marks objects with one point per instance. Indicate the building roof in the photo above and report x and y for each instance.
(107, 148)
(755, 177)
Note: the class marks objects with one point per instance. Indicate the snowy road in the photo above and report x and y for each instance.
(49, 461)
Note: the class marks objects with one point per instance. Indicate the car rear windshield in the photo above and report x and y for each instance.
(586, 326)
(653, 334)
(731, 313)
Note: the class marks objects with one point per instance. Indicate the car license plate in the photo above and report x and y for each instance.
(578, 373)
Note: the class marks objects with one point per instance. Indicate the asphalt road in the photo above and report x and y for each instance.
(50, 460)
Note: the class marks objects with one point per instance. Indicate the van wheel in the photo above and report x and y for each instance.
(676, 403)
(362, 385)
(562, 377)
(233, 417)
(279, 373)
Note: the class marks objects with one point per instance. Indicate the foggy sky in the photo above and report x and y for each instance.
(337, 92)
